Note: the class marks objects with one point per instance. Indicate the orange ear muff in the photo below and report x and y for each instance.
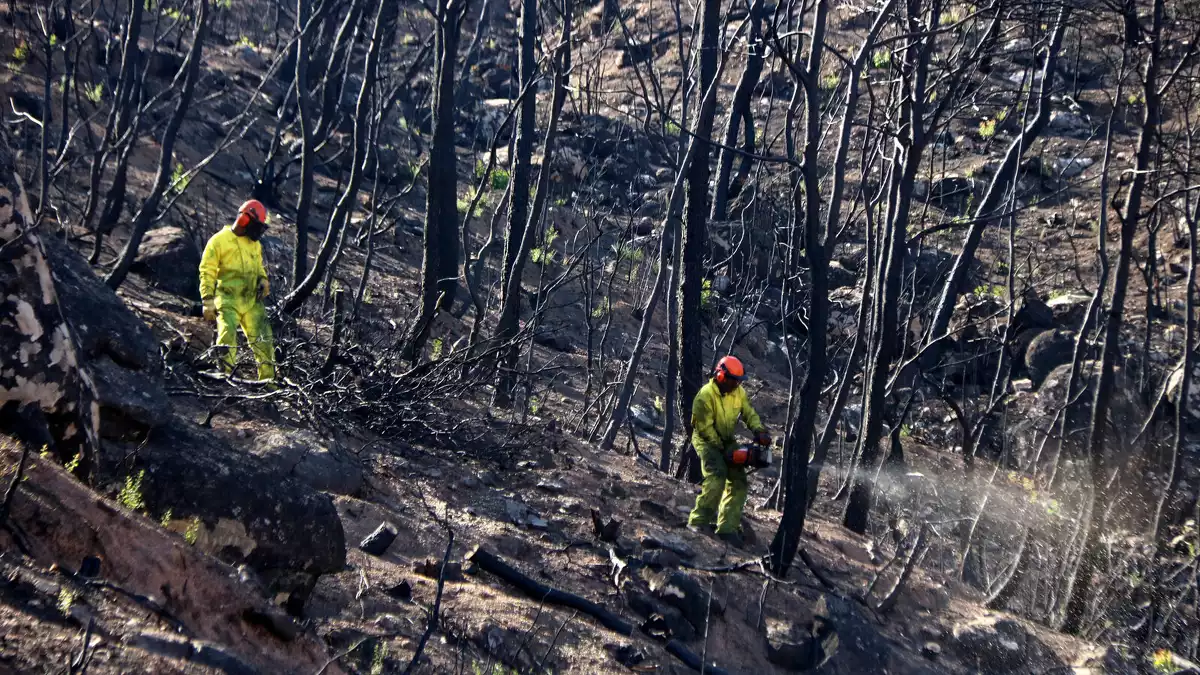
(243, 220)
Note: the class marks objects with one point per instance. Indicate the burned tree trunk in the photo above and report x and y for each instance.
(439, 265)
(695, 234)
(307, 156)
(739, 109)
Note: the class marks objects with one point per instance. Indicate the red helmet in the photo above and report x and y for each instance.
(729, 370)
(252, 210)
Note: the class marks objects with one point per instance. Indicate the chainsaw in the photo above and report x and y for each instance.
(750, 455)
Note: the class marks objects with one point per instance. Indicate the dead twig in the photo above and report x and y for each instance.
(437, 606)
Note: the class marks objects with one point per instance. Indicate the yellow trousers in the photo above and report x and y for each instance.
(250, 314)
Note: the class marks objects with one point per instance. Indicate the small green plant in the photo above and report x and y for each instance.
(165, 521)
(180, 179)
(882, 58)
(1164, 661)
(905, 431)
(671, 128)
(367, 299)
(706, 293)
(500, 178)
(173, 14)
(659, 404)
(990, 291)
(534, 405)
(94, 93)
(436, 352)
(192, 534)
(72, 465)
(131, 494)
(831, 81)
(66, 600)
(464, 203)
(1136, 98)
(987, 129)
(20, 53)
(601, 309)
(541, 256)
(378, 658)
(950, 17)
(1002, 115)
(244, 41)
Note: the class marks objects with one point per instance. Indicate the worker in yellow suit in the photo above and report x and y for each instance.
(233, 284)
(715, 413)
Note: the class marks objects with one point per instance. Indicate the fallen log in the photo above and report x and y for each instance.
(63, 523)
(493, 564)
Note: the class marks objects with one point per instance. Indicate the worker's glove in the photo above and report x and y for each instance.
(762, 438)
(210, 309)
(264, 288)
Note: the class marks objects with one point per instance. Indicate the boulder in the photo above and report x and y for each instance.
(991, 644)
(954, 194)
(307, 458)
(1049, 350)
(169, 259)
(237, 506)
(1069, 309)
(1069, 124)
(681, 591)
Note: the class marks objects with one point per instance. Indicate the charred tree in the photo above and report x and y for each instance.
(439, 264)
(695, 236)
(518, 214)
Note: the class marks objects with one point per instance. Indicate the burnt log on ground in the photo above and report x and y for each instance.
(493, 564)
(62, 522)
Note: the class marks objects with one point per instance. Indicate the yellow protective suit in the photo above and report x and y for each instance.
(714, 423)
(232, 272)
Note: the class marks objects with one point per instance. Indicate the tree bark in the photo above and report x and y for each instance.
(441, 200)
(739, 109)
(307, 156)
(695, 236)
(519, 212)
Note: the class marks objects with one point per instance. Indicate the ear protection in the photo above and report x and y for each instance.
(722, 375)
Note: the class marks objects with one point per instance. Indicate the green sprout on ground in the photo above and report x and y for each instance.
(72, 465)
(671, 128)
(131, 494)
(378, 658)
(436, 351)
(831, 81)
(987, 129)
(882, 58)
(94, 93)
(166, 518)
(20, 53)
(192, 534)
(66, 600)
(706, 293)
(602, 309)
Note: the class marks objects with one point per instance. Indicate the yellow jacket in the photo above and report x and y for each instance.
(231, 266)
(715, 416)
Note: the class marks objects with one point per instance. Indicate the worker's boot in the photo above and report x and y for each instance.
(732, 538)
(706, 529)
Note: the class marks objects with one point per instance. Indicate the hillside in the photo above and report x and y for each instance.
(954, 246)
